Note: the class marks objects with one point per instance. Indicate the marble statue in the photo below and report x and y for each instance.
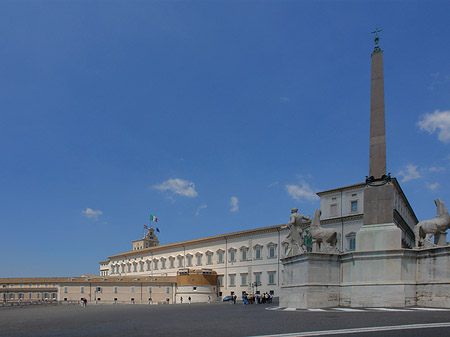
(437, 226)
(294, 240)
(323, 239)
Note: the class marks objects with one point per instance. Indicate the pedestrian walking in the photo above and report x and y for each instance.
(189, 299)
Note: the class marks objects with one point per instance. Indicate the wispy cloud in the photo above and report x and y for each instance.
(275, 183)
(437, 80)
(437, 169)
(409, 173)
(433, 187)
(197, 212)
(301, 191)
(234, 204)
(178, 186)
(92, 214)
(439, 120)
(285, 99)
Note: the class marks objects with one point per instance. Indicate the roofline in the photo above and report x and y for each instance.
(339, 189)
(197, 241)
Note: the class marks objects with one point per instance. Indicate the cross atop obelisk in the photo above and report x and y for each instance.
(377, 157)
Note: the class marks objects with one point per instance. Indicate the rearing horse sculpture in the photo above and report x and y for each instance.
(425, 229)
(323, 236)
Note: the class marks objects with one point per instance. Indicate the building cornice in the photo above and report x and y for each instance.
(341, 189)
(184, 244)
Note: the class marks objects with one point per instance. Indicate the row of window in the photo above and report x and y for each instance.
(128, 268)
(29, 296)
(115, 290)
(257, 276)
(37, 285)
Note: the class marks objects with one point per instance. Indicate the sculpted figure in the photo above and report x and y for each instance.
(294, 240)
(437, 226)
(323, 238)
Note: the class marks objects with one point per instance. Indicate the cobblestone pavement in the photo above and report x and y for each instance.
(217, 319)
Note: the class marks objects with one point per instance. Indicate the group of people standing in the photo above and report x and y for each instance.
(255, 298)
(83, 302)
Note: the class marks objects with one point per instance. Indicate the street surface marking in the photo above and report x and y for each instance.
(361, 330)
(290, 309)
(316, 310)
(347, 309)
(431, 309)
(389, 309)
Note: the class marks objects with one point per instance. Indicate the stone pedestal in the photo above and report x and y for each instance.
(310, 281)
(378, 237)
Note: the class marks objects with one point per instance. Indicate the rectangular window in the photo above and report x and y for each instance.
(30, 296)
(167, 290)
(53, 296)
(199, 260)
(163, 264)
(333, 210)
(258, 278)
(258, 253)
(132, 290)
(220, 255)
(220, 280)
(123, 269)
(243, 279)
(82, 290)
(271, 277)
(172, 263)
(129, 268)
(149, 290)
(272, 252)
(141, 267)
(209, 259)
(148, 265)
(155, 265)
(65, 290)
(180, 262)
(354, 206)
(352, 243)
(115, 290)
(189, 261)
(244, 255)
(232, 256)
(21, 296)
(232, 280)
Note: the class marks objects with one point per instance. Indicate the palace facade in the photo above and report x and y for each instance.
(249, 261)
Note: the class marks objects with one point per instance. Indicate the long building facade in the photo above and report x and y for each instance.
(249, 261)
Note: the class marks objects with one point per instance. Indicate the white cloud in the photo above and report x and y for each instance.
(301, 192)
(234, 204)
(433, 187)
(437, 169)
(178, 186)
(409, 173)
(439, 120)
(92, 214)
(197, 212)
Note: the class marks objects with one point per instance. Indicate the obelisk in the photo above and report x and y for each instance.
(377, 158)
(379, 231)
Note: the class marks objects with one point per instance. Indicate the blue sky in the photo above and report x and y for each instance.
(214, 116)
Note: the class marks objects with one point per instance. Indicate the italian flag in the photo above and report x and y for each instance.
(153, 218)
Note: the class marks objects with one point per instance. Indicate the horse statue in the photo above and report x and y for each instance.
(437, 226)
(323, 236)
